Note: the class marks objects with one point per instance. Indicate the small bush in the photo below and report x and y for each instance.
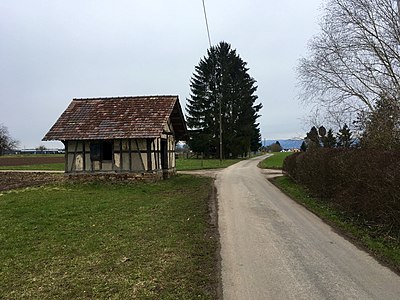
(289, 165)
(365, 184)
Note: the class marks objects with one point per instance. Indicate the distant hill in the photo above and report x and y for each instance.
(286, 144)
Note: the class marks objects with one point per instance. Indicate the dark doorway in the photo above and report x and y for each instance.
(164, 155)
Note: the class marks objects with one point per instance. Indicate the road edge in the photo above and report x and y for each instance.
(382, 260)
(214, 210)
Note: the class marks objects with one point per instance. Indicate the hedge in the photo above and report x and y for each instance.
(364, 184)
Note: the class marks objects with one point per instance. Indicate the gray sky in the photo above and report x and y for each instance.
(52, 51)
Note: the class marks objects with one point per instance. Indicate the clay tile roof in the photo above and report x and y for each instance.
(118, 117)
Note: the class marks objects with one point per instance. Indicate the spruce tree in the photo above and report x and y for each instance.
(221, 79)
(344, 137)
(382, 130)
(329, 141)
(303, 146)
(312, 138)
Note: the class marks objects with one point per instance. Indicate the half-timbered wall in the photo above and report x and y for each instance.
(123, 155)
(128, 155)
(168, 135)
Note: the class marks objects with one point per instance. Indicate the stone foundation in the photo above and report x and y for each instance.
(121, 177)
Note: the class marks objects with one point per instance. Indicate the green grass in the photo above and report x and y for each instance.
(49, 167)
(385, 248)
(108, 241)
(275, 161)
(183, 164)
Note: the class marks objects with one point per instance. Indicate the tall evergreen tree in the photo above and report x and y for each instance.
(303, 146)
(344, 137)
(329, 140)
(382, 128)
(312, 139)
(221, 81)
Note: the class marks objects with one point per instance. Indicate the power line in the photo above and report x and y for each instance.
(208, 29)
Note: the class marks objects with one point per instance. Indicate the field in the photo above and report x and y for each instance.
(275, 161)
(32, 162)
(20, 160)
(108, 241)
(11, 180)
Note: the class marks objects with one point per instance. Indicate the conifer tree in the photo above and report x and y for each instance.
(221, 82)
(303, 146)
(329, 141)
(382, 128)
(312, 138)
(344, 137)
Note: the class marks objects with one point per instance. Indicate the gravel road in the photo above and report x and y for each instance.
(273, 248)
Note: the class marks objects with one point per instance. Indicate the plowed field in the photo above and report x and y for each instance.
(14, 180)
(30, 160)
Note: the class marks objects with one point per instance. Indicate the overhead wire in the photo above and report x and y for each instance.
(206, 19)
(218, 98)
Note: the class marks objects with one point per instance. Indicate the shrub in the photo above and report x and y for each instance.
(365, 184)
(289, 165)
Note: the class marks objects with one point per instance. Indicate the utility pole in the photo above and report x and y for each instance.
(220, 128)
(217, 96)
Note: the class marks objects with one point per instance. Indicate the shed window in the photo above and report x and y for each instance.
(101, 150)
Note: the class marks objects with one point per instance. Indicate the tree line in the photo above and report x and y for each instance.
(321, 138)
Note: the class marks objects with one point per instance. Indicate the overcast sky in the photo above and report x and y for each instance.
(53, 51)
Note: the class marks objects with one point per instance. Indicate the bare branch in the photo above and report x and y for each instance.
(355, 59)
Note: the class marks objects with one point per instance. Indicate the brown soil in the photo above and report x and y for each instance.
(14, 180)
(31, 160)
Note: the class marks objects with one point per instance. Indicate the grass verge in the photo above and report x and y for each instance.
(275, 161)
(36, 167)
(384, 248)
(183, 164)
(108, 241)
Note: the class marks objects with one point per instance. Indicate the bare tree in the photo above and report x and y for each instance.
(355, 59)
(6, 141)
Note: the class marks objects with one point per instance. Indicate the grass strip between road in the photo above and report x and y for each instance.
(275, 161)
(183, 164)
(109, 241)
(385, 248)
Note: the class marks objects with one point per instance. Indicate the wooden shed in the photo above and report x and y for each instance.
(121, 135)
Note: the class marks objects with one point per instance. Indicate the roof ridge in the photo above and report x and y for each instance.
(124, 97)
